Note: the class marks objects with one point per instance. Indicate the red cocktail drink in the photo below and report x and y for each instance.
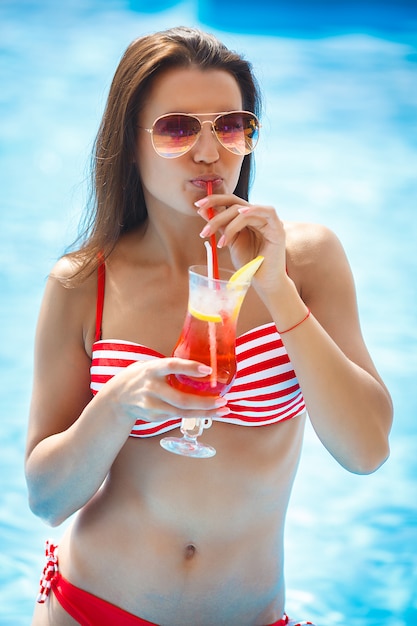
(208, 336)
(194, 344)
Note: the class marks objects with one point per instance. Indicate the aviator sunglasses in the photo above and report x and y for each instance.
(174, 134)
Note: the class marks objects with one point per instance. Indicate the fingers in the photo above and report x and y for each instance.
(149, 396)
(218, 202)
(249, 230)
(237, 217)
(174, 365)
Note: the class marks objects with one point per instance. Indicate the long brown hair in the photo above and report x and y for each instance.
(117, 202)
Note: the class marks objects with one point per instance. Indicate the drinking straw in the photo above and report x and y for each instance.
(210, 269)
(210, 213)
(211, 325)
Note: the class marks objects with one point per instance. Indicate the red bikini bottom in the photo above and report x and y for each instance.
(86, 608)
(89, 610)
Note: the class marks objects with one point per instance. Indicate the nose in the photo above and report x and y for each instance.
(207, 146)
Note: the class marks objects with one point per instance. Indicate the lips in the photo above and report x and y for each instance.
(201, 182)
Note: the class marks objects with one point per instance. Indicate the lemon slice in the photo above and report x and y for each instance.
(245, 273)
(204, 317)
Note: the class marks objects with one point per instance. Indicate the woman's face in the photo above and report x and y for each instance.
(177, 183)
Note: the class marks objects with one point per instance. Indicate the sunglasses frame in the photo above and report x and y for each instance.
(197, 116)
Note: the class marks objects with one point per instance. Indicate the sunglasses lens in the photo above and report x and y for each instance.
(174, 135)
(238, 132)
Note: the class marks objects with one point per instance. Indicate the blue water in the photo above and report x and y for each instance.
(339, 146)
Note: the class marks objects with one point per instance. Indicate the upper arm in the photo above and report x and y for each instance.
(61, 365)
(327, 286)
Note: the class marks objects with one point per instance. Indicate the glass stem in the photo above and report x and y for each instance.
(192, 427)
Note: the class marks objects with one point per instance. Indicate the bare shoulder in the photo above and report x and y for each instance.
(73, 303)
(319, 267)
(308, 242)
(315, 256)
(64, 268)
(64, 271)
(62, 276)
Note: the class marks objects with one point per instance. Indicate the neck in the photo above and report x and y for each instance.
(174, 240)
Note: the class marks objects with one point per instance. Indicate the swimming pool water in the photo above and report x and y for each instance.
(339, 146)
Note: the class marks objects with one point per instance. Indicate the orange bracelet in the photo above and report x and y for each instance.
(282, 332)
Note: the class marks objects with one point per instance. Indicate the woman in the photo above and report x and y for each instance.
(160, 538)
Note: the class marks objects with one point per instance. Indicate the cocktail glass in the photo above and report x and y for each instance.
(208, 336)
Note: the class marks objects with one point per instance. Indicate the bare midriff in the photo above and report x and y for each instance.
(174, 539)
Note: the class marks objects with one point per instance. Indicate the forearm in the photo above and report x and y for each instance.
(65, 470)
(349, 407)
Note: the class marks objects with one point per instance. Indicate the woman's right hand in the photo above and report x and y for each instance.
(142, 391)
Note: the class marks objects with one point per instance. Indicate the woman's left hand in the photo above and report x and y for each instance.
(248, 230)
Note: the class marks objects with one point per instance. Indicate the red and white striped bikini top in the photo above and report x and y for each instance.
(265, 390)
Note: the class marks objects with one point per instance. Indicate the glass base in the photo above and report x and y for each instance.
(187, 447)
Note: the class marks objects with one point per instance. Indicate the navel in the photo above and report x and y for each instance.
(189, 551)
